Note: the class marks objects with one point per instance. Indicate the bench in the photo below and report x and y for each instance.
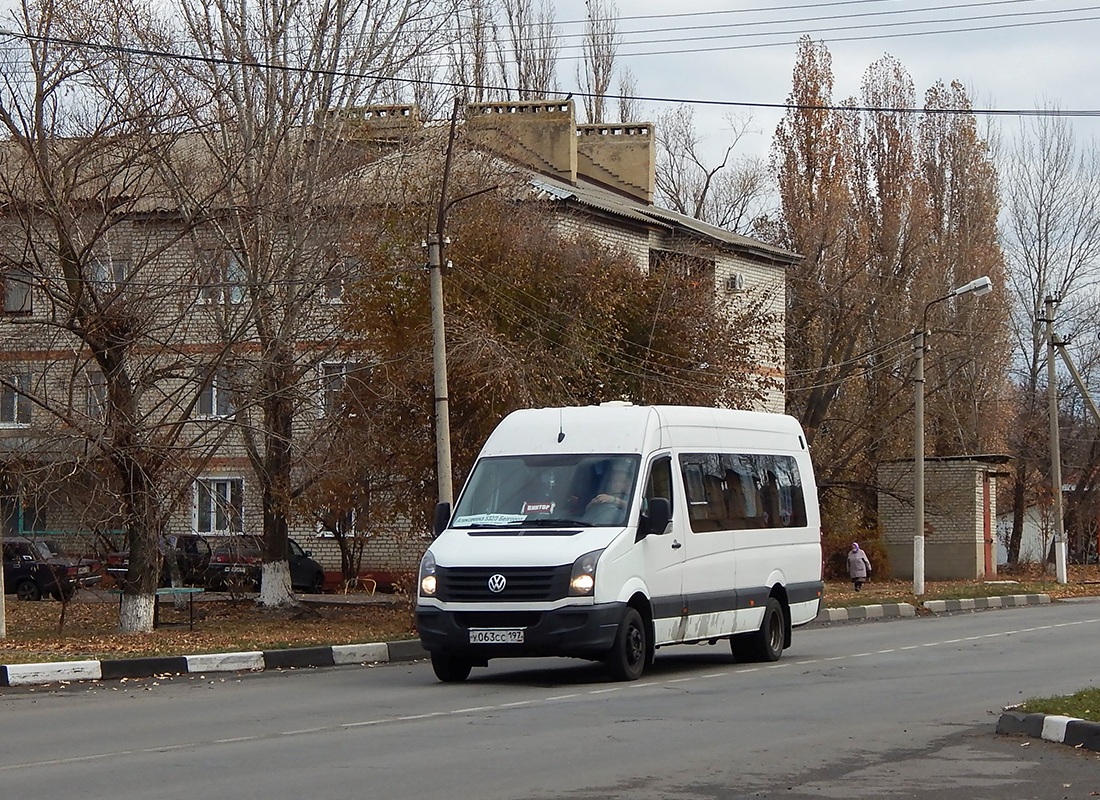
(190, 591)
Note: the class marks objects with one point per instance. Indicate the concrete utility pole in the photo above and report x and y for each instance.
(1055, 449)
(439, 366)
(439, 337)
(435, 244)
(976, 287)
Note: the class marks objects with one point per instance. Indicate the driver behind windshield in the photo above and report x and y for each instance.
(609, 506)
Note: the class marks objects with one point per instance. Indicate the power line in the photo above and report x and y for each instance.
(624, 36)
(768, 10)
(793, 43)
(459, 85)
(746, 35)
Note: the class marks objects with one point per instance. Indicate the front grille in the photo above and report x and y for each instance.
(497, 619)
(522, 584)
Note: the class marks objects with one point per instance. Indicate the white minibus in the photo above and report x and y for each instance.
(606, 532)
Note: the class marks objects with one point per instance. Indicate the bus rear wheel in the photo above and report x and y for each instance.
(765, 644)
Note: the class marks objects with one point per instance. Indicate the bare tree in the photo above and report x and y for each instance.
(729, 193)
(1052, 235)
(601, 42)
(97, 310)
(527, 48)
(629, 108)
(470, 54)
(275, 93)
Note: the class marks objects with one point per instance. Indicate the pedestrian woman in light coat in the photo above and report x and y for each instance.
(859, 566)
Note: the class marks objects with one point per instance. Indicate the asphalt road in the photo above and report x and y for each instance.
(892, 708)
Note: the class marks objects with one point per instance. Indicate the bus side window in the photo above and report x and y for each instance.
(659, 484)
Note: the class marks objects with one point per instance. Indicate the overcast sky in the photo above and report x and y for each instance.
(1010, 54)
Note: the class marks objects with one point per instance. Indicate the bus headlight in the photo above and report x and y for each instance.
(428, 582)
(582, 580)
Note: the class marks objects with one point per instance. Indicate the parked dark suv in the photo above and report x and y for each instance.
(191, 552)
(237, 563)
(36, 568)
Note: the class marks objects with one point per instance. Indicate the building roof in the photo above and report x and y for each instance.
(590, 195)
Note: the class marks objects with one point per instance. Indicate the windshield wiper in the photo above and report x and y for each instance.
(553, 522)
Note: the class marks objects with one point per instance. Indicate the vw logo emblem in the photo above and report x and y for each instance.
(497, 583)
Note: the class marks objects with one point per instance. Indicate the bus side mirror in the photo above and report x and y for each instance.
(442, 517)
(658, 516)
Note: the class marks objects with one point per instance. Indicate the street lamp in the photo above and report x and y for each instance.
(976, 287)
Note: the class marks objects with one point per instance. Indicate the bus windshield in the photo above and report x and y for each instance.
(535, 490)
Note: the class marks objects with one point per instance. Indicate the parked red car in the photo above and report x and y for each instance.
(191, 552)
(237, 564)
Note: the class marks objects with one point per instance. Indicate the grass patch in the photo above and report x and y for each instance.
(1084, 704)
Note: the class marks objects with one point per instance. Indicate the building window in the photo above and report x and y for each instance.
(693, 270)
(214, 400)
(219, 505)
(334, 384)
(17, 292)
(97, 395)
(343, 523)
(15, 404)
(332, 291)
(32, 519)
(223, 280)
(107, 275)
(333, 284)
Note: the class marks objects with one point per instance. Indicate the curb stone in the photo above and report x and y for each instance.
(934, 606)
(292, 658)
(1052, 728)
(1007, 601)
(866, 612)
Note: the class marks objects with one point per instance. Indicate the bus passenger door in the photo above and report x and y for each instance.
(663, 557)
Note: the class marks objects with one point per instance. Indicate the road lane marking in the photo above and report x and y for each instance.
(54, 762)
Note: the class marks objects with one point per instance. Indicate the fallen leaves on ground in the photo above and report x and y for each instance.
(1082, 581)
(90, 628)
(36, 631)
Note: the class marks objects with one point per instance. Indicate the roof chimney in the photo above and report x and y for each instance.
(620, 157)
(539, 135)
(384, 124)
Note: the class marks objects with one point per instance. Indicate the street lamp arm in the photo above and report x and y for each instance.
(976, 287)
(458, 200)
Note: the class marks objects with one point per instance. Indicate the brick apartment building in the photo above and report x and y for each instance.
(599, 180)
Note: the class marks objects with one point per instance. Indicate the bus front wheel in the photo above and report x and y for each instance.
(451, 669)
(629, 654)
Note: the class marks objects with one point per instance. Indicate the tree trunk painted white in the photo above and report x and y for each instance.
(136, 613)
(275, 589)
